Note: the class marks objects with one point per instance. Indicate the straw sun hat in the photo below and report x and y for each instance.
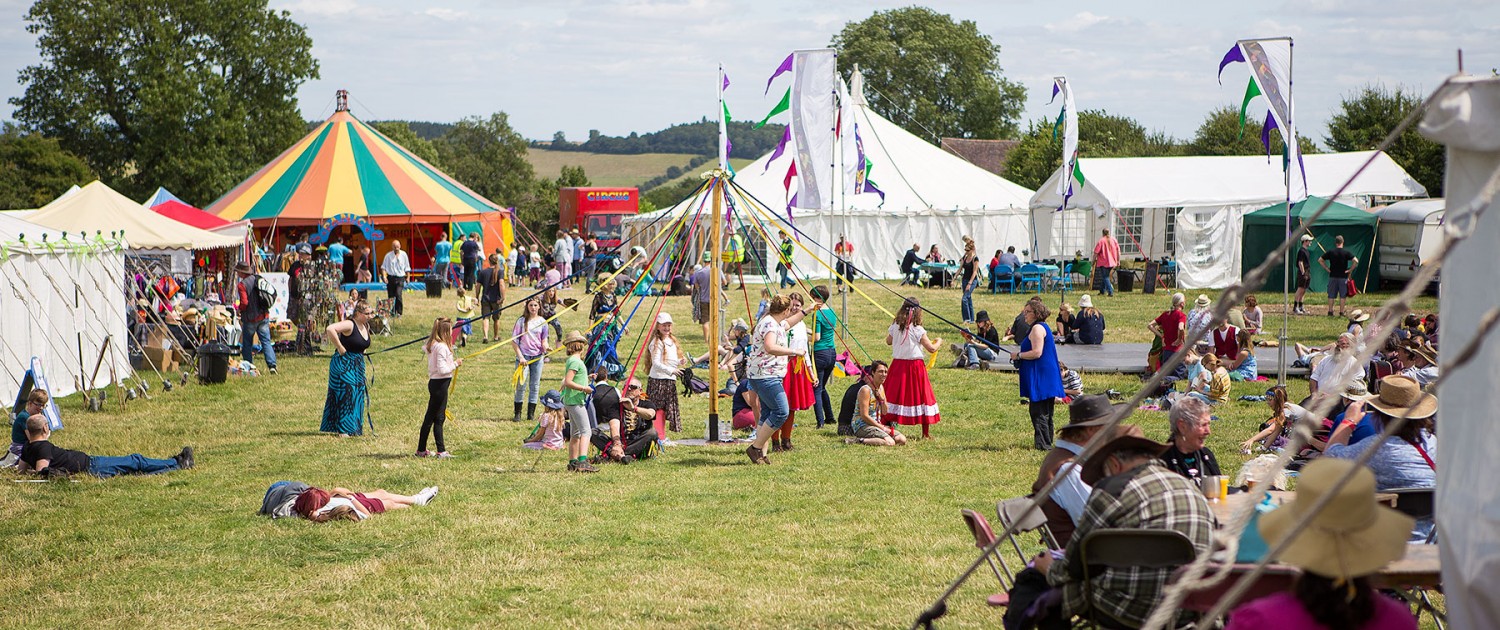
(1402, 397)
(1353, 536)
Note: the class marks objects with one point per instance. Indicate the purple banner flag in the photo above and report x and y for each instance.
(1055, 90)
(1234, 54)
(786, 136)
(786, 66)
(1265, 134)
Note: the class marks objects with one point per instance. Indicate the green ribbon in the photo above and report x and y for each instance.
(1251, 91)
(784, 105)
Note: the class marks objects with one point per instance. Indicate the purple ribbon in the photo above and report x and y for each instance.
(786, 136)
(1234, 54)
(786, 66)
(1055, 90)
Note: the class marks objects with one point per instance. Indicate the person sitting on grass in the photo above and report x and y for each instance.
(1088, 323)
(44, 458)
(982, 345)
(1217, 391)
(1254, 316)
(869, 408)
(1275, 431)
(548, 434)
(1072, 383)
(320, 506)
(626, 428)
(36, 403)
(1243, 367)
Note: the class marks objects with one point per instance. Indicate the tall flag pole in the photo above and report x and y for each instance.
(1270, 62)
(1068, 118)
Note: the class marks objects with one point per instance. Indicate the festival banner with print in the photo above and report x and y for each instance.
(814, 114)
(1067, 122)
(1270, 62)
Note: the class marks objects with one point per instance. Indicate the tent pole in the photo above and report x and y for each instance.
(1286, 263)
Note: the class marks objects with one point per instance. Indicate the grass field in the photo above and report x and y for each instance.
(830, 536)
(604, 169)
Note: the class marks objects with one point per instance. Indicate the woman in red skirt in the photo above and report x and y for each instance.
(908, 391)
(798, 381)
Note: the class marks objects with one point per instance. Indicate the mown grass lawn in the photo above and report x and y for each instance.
(828, 536)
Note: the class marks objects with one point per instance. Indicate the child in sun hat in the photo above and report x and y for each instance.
(575, 395)
(548, 432)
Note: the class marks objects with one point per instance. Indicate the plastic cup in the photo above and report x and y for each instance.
(1223, 488)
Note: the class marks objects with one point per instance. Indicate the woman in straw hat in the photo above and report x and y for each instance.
(1337, 550)
(1407, 459)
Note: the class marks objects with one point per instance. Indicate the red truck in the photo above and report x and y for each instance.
(597, 210)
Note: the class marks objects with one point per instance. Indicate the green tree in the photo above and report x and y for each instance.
(1221, 134)
(937, 77)
(401, 133)
(1367, 116)
(193, 95)
(34, 170)
(488, 156)
(1100, 134)
(572, 177)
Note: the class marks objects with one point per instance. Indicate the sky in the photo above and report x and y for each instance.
(640, 65)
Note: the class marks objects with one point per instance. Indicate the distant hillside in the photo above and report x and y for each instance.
(609, 170)
(698, 138)
(424, 130)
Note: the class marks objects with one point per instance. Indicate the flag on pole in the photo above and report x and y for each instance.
(785, 67)
(725, 146)
(1270, 62)
(1067, 119)
(784, 105)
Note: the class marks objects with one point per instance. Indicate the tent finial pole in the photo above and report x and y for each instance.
(341, 101)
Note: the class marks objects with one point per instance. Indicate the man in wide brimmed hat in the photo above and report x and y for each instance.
(1421, 361)
(255, 317)
(1087, 416)
(1132, 490)
(1351, 538)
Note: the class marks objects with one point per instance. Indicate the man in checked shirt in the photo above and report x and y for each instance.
(1132, 490)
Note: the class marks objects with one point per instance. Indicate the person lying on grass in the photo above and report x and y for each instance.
(320, 506)
(46, 459)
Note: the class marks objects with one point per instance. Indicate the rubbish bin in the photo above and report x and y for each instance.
(213, 363)
(434, 284)
(1124, 280)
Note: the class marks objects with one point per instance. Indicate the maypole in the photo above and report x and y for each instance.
(717, 188)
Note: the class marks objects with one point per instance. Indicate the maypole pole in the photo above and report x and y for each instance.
(718, 190)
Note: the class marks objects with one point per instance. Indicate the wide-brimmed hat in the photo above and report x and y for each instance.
(242, 268)
(1402, 397)
(981, 316)
(552, 399)
(1093, 469)
(574, 337)
(1202, 300)
(663, 318)
(1356, 390)
(1308, 237)
(1089, 411)
(1426, 350)
(739, 323)
(191, 314)
(1358, 316)
(1086, 301)
(1353, 535)
(304, 249)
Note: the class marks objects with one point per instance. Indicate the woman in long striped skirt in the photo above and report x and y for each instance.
(348, 394)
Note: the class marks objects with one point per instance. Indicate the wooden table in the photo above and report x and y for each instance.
(1223, 510)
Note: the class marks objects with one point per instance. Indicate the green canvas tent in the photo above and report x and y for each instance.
(1266, 228)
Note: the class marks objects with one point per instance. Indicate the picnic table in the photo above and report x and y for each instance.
(934, 269)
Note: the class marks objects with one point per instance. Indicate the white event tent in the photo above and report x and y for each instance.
(98, 208)
(60, 299)
(1191, 208)
(931, 197)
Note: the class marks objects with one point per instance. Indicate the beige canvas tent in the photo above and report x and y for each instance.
(98, 208)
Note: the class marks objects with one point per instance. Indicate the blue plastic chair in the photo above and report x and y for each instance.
(1064, 282)
(1002, 276)
(1031, 277)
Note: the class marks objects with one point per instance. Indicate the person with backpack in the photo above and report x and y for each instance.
(256, 296)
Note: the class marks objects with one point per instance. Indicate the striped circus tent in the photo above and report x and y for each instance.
(346, 173)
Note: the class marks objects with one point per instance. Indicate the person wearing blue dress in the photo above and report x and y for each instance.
(348, 393)
(1041, 380)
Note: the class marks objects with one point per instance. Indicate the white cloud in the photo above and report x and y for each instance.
(1079, 22)
(447, 15)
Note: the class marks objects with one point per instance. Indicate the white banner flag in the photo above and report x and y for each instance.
(814, 117)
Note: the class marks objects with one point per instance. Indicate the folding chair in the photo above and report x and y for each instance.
(1419, 503)
(1064, 282)
(1131, 548)
(1014, 511)
(984, 536)
(1378, 369)
(1031, 276)
(1002, 276)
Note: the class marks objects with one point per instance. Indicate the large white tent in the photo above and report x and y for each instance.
(1191, 208)
(59, 301)
(931, 197)
(98, 208)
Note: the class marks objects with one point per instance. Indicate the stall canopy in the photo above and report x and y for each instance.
(62, 298)
(1191, 208)
(1265, 229)
(931, 197)
(97, 207)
